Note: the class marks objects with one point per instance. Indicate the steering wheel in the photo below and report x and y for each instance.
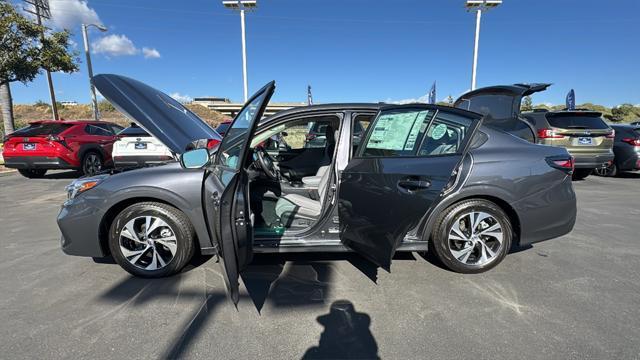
(266, 163)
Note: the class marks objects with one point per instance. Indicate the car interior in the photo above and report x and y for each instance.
(291, 178)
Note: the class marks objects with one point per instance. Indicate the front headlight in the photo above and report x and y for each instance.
(81, 185)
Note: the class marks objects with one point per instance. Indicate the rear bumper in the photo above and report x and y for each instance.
(137, 160)
(592, 161)
(628, 160)
(36, 162)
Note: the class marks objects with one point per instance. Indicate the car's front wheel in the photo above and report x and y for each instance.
(32, 173)
(472, 236)
(151, 239)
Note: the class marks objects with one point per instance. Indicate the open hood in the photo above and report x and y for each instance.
(156, 112)
(501, 102)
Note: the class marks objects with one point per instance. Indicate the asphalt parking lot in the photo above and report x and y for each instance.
(576, 297)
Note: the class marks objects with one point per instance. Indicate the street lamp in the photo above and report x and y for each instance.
(478, 6)
(89, 68)
(242, 5)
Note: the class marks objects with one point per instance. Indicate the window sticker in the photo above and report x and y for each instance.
(438, 131)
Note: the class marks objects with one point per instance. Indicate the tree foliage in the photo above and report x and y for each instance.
(527, 104)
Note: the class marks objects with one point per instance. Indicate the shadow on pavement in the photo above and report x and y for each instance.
(346, 335)
(62, 175)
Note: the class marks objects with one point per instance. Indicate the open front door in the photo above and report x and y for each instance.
(401, 169)
(226, 192)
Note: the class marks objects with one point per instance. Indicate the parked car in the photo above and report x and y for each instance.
(222, 127)
(135, 147)
(583, 133)
(626, 147)
(446, 182)
(49, 144)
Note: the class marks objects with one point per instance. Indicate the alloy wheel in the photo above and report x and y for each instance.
(475, 238)
(148, 242)
(92, 164)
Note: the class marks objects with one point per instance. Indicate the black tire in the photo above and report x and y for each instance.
(444, 223)
(178, 223)
(581, 174)
(609, 171)
(32, 173)
(92, 163)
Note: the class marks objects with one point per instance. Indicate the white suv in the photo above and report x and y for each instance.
(136, 147)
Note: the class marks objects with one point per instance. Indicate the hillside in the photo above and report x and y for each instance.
(24, 114)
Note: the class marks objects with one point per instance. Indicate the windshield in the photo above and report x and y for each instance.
(573, 121)
(42, 129)
(236, 136)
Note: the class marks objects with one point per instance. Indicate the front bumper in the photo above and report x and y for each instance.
(79, 224)
(592, 161)
(36, 162)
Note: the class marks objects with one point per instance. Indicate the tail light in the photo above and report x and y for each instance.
(632, 141)
(564, 163)
(549, 134)
(59, 140)
(611, 135)
(212, 143)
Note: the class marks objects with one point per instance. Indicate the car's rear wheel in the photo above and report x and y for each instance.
(580, 174)
(151, 239)
(611, 170)
(91, 163)
(472, 236)
(32, 173)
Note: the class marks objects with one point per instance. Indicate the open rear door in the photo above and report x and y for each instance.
(401, 169)
(226, 192)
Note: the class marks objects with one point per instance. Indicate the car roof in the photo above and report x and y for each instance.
(70, 122)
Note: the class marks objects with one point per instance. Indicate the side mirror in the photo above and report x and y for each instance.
(195, 159)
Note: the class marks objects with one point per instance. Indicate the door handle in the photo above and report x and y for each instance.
(413, 185)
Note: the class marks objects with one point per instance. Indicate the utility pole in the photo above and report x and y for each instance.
(41, 8)
(85, 38)
(478, 6)
(242, 5)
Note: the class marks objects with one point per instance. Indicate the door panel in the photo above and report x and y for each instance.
(226, 195)
(399, 173)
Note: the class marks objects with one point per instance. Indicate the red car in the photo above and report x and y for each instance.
(48, 144)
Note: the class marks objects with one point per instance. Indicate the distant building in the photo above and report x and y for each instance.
(226, 107)
(69, 103)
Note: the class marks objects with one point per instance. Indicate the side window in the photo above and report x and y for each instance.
(398, 133)
(115, 128)
(315, 132)
(445, 135)
(98, 130)
(360, 124)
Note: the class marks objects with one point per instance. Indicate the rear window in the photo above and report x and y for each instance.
(567, 121)
(42, 129)
(133, 131)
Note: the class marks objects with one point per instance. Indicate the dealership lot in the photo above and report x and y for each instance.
(573, 297)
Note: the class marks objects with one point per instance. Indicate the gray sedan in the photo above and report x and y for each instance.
(421, 177)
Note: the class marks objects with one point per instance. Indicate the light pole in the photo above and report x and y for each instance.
(478, 6)
(242, 5)
(85, 37)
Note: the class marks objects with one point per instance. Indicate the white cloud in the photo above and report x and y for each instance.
(181, 98)
(421, 99)
(150, 53)
(69, 14)
(114, 45)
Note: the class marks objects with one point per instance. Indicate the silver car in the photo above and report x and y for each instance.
(421, 177)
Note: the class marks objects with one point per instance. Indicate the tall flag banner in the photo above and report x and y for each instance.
(571, 100)
(309, 97)
(432, 94)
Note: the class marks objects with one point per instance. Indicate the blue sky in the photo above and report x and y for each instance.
(356, 50)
